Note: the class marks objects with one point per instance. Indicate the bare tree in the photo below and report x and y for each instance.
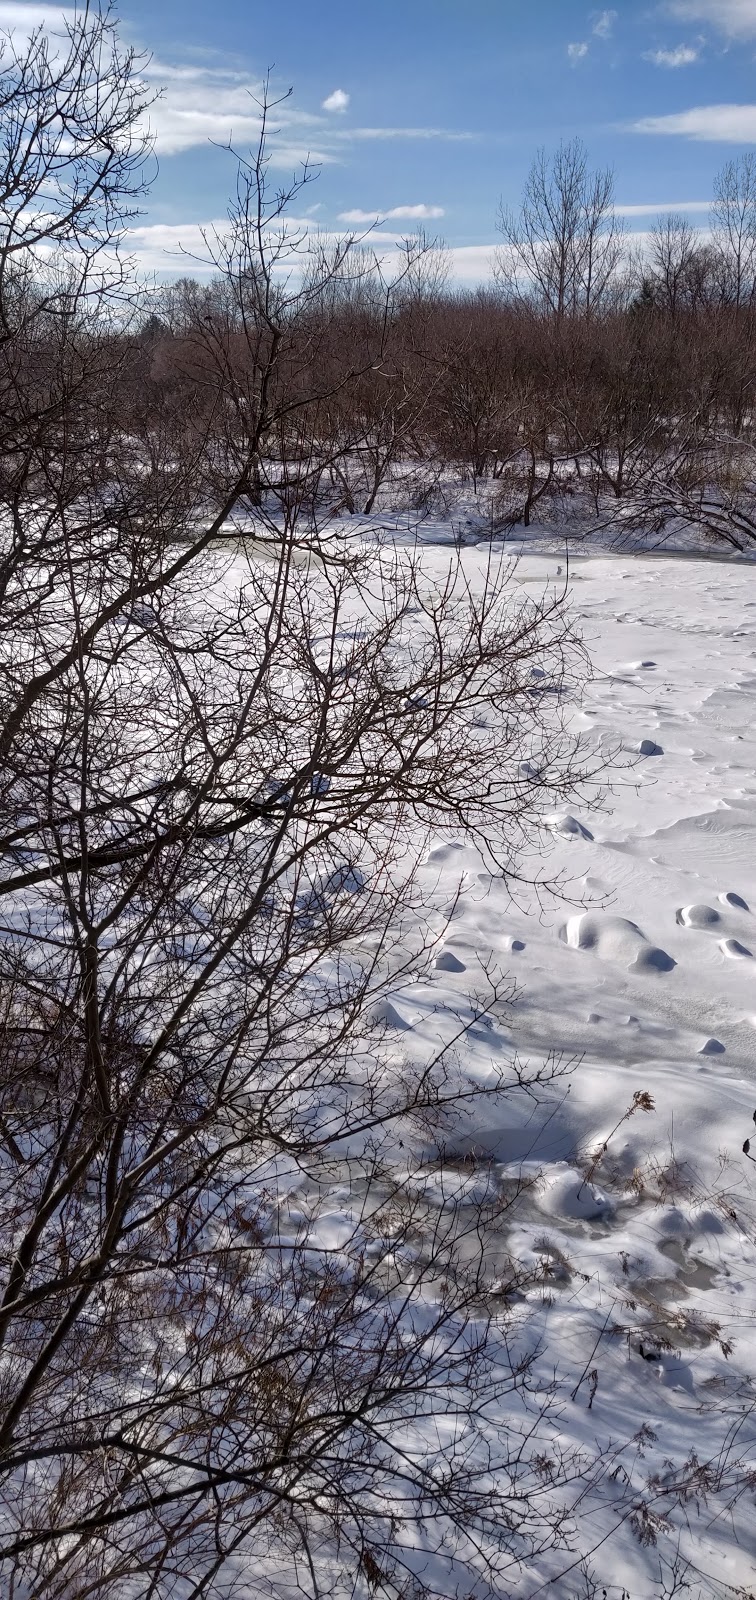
(220, 775)
(562, 249)
(674, 247)
(734, 227)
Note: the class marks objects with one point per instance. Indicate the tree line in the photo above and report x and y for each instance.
(591, 383)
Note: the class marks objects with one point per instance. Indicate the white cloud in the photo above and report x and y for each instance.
(183, 249)
(198, 105)
(195, 104)
(22, 18)
(681, 56)
(173, 250)
(576, 52)
(338, 101)
(176, 127)
(201, 103)
(177, 250)
(398, 133)
(416, 213)
(472, 263)
(397, 213)
(736, 18)
(728, 124)
(604, 24)
(663, 208)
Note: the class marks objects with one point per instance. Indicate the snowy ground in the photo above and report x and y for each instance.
(646, 971)
(641, 976)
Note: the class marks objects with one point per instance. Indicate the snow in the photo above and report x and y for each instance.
(633, 982)
(640, 977)
(627, 981)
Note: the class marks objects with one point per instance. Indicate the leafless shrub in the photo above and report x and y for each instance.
(219, 776)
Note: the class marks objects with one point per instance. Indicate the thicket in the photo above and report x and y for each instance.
(590, 383)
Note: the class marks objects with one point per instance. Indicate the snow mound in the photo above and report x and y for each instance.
(448, 962)
(566, 1193)
(444, 854)
(388, 1013)
(346, 879)
(615, 939)
(698, 916)
(712, 1047)
(568, 826)
(648, 747)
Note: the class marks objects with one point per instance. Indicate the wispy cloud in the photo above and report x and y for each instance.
(603, 26)
(337, 101)
(16, 15)
(400, 133)
(682, 56)
(197, 103)
(577, 52)
(170, 251)
(288, 156)
(420, 213)
(729, 124)
(200, 103)
(167, 251)
(472, 263)
(162, 248)
(663, 208)
(736, 18)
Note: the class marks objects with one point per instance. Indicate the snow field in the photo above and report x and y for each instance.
(643, 977)
(633, 996)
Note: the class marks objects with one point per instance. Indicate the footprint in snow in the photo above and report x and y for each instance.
(729, 898)
(734, 949)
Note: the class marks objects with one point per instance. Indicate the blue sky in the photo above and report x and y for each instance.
(440, 104)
